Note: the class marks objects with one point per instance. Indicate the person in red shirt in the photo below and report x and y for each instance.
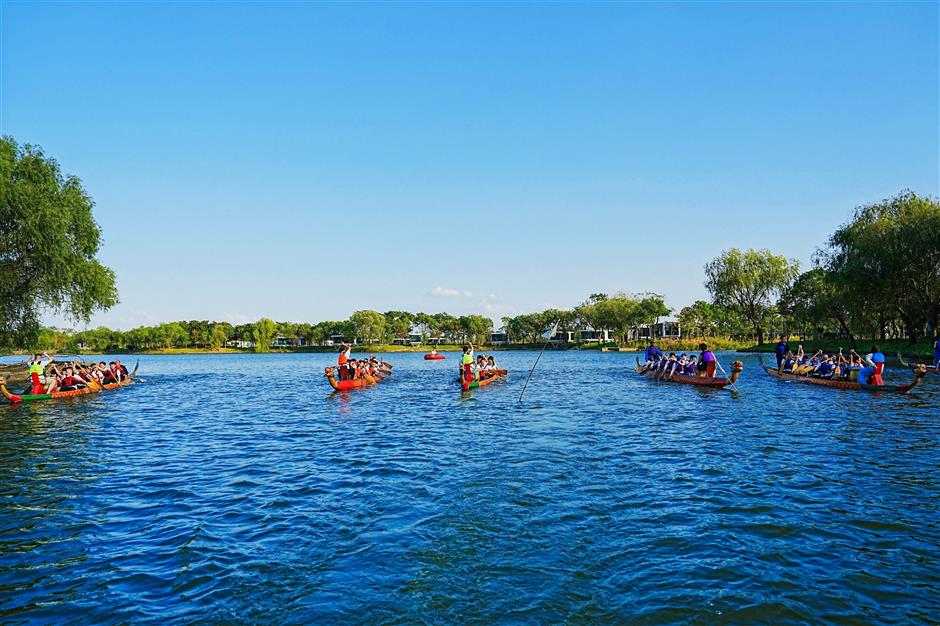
(70, 382)
(343, 362)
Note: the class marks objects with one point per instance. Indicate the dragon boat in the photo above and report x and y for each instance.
(919, 373)
(88, 389)
(356, 383)
(488, 377)
(702, 381)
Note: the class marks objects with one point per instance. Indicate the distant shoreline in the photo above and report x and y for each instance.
(688, 345)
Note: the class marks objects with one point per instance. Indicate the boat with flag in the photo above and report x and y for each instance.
(919, 372)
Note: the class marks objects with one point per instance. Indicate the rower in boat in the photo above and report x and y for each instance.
(871, 374)
(825, 368)
(342, 361)
(707, 361)
(653, 353)
(113, 374)
(780, 351)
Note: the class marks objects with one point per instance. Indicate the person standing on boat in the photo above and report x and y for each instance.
(707, 362)
(871, 375)
(343, 362)
(653, 353)
(936, 354)
(37, 372)
(467, 362)
(780, 351)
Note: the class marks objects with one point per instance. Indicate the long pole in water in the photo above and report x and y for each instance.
(551, 334)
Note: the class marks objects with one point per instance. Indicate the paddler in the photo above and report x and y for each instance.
(871, 375)
(707, 362)
(780, 351)
(653, 353)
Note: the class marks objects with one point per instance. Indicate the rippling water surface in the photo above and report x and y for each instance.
(238, 488)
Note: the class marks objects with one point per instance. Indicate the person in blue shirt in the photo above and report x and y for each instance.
(653, 353)
(780, 351)
(936, 354)
(871, 375)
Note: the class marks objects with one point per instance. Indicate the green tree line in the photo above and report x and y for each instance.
(619, 313)
(877, 277)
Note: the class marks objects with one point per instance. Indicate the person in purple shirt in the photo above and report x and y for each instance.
(706, 361)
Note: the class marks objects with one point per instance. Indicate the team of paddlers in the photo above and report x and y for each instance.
(355, 369)
(853, 367)
(476, 368)
(47, 377)
(704, 364)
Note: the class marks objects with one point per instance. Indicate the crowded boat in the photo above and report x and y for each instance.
(47, 376)
(702, 364)
(479, 367)
(838, 366)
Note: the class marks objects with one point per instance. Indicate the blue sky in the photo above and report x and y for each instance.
(302, 161)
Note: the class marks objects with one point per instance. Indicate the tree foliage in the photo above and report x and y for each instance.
(749, 282)
(48, 246)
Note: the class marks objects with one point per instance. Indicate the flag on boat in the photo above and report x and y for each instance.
(548, 334)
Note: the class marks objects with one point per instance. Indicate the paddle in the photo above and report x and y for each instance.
(548, 337)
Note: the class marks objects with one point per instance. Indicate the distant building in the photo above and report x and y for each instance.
(590, 334)
(239, 344)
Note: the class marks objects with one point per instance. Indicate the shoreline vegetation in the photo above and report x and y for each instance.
(685, 345)
(921, 351)
(876, 279)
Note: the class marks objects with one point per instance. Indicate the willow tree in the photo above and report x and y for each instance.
(263, 334)
(48, 246)
(889, 257)
(749, 282)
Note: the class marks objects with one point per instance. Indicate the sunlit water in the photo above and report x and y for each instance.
(238, 488)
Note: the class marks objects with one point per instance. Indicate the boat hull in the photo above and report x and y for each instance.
(16, 398)
(718, 382)
(434, 357)
(844, 384)
(358, 383)
(483, 382)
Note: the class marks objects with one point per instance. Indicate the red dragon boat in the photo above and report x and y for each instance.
(919, 373)
(434, 357)
(357, 383)
(702, 381)
(488, 377)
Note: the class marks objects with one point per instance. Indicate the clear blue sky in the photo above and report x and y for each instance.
(302, 161)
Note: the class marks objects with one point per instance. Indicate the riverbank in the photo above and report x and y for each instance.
(667, 345)
(921, 351)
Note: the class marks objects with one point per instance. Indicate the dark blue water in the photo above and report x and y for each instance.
(237, 488)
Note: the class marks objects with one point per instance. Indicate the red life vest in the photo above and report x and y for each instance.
(876, 379)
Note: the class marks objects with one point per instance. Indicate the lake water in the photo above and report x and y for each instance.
(238, 488)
